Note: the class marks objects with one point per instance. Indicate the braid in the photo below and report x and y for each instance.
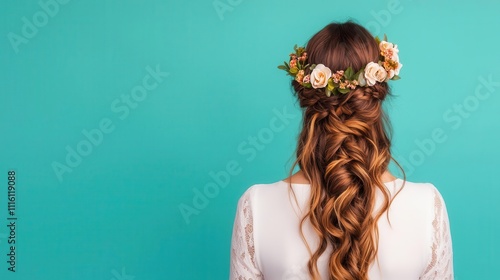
(343, 152)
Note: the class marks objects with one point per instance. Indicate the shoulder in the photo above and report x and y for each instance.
(424, 190)
(414, 197)
(253, 198)
(259, 190)
(423, 197)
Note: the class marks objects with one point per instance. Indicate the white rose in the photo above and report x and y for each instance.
(390, 49)
(396, 58)
(384, 45)
(390, 74)
(374, 73)
(400, 65)
(394, 72)
(320, 76)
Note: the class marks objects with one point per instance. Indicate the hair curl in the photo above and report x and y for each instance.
(343, 150)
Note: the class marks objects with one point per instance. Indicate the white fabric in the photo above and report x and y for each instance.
(266, 242)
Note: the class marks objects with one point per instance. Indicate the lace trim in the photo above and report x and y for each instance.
(441, 263)
(243, 265)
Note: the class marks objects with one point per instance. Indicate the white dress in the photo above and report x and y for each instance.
(266, 242)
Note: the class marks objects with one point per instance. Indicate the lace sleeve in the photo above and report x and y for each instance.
(243, 264)
(441, 263)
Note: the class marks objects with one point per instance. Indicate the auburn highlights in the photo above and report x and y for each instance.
(343, 150)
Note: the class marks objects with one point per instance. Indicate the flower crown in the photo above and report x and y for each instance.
(387, 68)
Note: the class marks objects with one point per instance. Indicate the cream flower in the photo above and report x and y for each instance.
(395, 57)
(391, 73)
(300, 76)
(374, 73)
(320, 75)
(384, 46)
(398, 67)
(389, 50)
(396, 71)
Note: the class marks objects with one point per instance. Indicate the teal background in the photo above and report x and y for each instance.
(116, 214)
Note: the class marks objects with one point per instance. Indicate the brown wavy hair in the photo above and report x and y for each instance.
(343, 150)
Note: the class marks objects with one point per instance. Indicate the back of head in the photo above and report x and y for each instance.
(343, 150)
(339, 46)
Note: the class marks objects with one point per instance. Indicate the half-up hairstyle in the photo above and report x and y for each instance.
(343, 150)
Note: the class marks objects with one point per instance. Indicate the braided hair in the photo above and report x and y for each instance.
(343, 150)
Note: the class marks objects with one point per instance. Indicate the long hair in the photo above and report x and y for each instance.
(343, 150)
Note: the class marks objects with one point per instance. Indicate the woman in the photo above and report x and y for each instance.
(343, 215)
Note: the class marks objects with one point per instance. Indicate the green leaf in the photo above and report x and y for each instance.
(385, 37)
(349, 73)
(356, 76)
(294, 70)
(377, 39)
(327, 92)
(286, 64)
(343, 90)
(396, 77)
(282, 67)
(330, 85)
(299, 51)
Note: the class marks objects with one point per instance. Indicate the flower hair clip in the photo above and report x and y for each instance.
(342, 81)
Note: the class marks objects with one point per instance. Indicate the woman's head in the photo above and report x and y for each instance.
(339, 46)
(343, 149)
